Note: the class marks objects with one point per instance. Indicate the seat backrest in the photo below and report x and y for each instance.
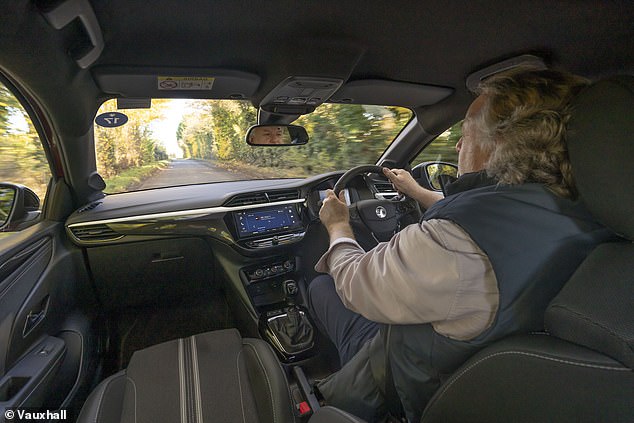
(582, 370)
(596, 307)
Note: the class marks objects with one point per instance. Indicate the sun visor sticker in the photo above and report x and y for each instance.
(176, 83)
(111, 119)
(185, 83)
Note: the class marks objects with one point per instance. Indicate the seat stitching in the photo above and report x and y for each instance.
(587, 319)
(557, 360)
(134, 386)
(279, 365)
(244, 420)
(196, 371)
(101, 396)
(181, 374)
(267, 380)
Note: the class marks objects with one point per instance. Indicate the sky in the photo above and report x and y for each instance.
(165, 129)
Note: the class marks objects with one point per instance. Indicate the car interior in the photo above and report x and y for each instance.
(116, 306)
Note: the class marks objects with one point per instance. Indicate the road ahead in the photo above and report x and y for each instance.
(189, 171)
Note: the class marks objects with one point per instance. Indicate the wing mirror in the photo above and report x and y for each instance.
(434, 175)
(438, 172)
(274, 135)
(19, 207)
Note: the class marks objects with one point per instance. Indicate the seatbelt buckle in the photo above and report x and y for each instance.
(304, 408)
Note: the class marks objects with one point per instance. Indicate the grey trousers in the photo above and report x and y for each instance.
(348, 330)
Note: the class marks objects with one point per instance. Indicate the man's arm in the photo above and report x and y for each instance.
(406, 184)
(334, 215)
(432, 272)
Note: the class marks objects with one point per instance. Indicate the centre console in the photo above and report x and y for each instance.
(272, 283)
(273, 289)
(263, 282)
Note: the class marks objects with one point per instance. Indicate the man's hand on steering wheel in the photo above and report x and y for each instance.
(334, 215)
(403, 181)
(382, 218)
(405, 184)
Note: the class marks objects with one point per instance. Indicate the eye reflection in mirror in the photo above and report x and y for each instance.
(7, 198)
(272, 135)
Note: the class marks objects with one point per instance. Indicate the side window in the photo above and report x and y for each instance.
(443, 148)
(24, 169)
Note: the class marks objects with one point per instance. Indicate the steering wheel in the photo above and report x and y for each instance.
(381, 217)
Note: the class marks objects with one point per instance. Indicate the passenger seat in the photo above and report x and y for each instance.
(212, 377)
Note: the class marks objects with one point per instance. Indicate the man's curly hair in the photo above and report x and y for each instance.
(524, 122)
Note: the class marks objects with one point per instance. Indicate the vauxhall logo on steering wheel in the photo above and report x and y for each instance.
(380, 211)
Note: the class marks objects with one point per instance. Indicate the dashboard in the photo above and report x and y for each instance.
(232, 212)
(146, 245)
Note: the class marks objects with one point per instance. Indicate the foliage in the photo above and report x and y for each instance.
(22, 157)
(443, 148)
(129, 146)
(342, 136)
(130, 178)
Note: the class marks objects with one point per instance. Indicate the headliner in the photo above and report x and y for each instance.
(428, 42)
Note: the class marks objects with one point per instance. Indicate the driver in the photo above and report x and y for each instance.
(483, 263)
(267, 135)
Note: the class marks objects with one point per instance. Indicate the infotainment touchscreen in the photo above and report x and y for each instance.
(266, 220)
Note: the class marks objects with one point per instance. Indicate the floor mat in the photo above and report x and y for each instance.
(145, 327)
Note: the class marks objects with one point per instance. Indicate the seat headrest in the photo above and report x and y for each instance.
(601, 148)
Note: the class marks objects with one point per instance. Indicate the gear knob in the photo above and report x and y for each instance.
(290, 291)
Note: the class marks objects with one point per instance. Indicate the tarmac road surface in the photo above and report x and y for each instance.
(189, 171)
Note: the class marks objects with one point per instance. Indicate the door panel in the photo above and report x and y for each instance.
(44, 292)
(14, 289)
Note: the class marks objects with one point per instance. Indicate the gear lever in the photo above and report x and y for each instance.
(293, 329)
(290, 294)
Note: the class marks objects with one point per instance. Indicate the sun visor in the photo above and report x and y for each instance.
(176, 83)
(384, 92)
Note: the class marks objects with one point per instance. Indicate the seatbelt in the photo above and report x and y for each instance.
(392, 400)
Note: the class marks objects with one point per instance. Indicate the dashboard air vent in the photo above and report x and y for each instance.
(89, 207)
(95, 233)
(384, 190)
(384, 187)
(247, 199)
(283, 195)
(263, 197)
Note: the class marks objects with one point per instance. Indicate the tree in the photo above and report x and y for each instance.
(22, 157)
(132, 144)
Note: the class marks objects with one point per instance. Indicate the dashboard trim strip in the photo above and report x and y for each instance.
(184, 213)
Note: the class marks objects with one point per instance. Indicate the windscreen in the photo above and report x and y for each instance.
(180, 142)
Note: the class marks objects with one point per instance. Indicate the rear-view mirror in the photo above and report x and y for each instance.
(276, 135)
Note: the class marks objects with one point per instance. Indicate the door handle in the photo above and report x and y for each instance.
(35, 317)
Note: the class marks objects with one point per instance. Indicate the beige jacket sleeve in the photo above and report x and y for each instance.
(431, 272)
